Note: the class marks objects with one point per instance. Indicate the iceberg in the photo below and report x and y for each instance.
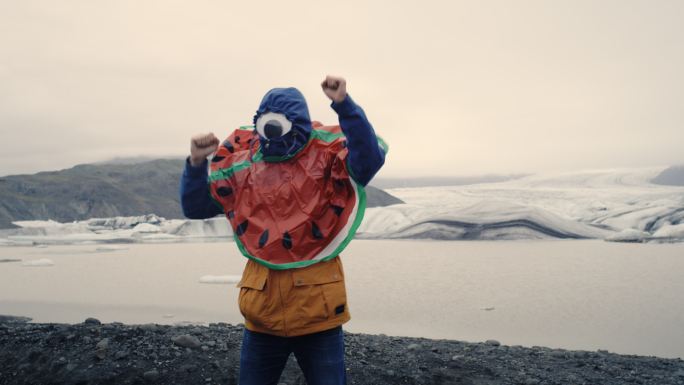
(670, 231)
(107, 248)
(146, 228)
(629, 235)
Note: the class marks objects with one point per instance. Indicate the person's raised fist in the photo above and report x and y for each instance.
(201, 145)
(335, 88)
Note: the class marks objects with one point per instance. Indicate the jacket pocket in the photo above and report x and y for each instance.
(254, 301)
(322, 293)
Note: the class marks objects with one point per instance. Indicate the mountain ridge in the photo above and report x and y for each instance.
(107, 189)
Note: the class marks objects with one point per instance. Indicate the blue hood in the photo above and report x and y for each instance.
(291, 103)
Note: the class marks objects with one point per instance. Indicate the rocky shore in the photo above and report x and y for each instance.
(96, 353)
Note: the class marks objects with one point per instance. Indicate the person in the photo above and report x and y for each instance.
(292, 190)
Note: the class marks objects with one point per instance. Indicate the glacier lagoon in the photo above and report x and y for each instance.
(615, 204)
(574, 294)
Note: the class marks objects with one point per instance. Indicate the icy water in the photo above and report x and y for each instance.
(626, 298)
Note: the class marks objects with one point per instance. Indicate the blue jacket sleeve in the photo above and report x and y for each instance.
(366, 156)
(194, 192)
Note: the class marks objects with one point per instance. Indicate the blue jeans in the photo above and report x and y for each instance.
(319, 355)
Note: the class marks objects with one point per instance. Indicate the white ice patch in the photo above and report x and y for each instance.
(37, 224)
(43, 262)
(220, 279)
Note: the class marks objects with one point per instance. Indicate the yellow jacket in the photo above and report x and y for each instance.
(293, 302)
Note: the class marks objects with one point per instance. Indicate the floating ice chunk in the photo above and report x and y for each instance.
(123, 222)
(146, 228)
(220, 279)
(29, 224)
(670, 231)
(212, 227)
(110, 248)
(629, 235)
(39, 262)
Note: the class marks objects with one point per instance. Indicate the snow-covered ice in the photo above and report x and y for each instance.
(614, 204)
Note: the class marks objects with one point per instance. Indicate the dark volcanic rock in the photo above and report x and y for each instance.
(141, 354)
(13, 319)
(186, 341)
(92, 321)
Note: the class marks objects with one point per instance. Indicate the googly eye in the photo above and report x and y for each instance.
(272, 125)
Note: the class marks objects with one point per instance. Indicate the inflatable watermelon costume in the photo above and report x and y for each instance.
(293, 192)
(288, 211)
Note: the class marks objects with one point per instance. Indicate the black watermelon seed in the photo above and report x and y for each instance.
(338, 210)
(249, 141)
(242, 227)
(237, 139)
(217, 158)
(231, 214)
(263, 238)
(224, 191)
(229, 147)
(315, 231)
(287, 241)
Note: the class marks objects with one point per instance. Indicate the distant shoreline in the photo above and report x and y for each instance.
(92, 352)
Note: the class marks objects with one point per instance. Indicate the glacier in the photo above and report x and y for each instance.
(620, 205)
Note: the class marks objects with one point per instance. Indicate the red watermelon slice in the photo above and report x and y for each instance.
(288, 212)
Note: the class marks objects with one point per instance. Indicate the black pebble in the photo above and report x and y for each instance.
(315, 231)
(287, 241)
(263, 238)
(242, 227)
(224, 191)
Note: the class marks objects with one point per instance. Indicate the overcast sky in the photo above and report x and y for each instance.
(454, 87)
